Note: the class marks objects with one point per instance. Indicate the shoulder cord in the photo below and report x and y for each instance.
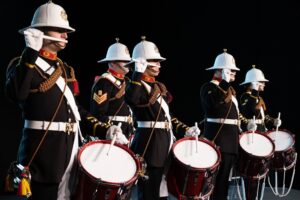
(153, 96)
(152, 130)
(50, 82)
(54, 115)
(120, 93)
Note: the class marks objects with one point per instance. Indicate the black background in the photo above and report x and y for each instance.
(190, 34)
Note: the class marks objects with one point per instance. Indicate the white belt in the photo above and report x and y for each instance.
(223, 121)
(127, 119)
(257, 121)
(54, 126)
(153, 124)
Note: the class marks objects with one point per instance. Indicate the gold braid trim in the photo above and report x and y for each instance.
(158, 88)
(120, 93)
(95, 122)
(229, 93)
(269, 119)
(261, 103)
(154, 93)
(72, 72)
(162, 88)
(179, 124)
(243, 119)
(49, 82)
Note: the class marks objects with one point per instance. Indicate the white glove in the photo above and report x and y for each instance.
(140, 65)
(251, 126)
(33, 38)
(226, 75)
(118, 133)
(192, 132)
(121, 138)
(277, 122)
(113, 130)
(255, 85)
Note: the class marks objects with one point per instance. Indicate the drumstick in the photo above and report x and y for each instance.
(252, 134)
(196, 137)
(47, 37)
(279, 114)
(113, 140)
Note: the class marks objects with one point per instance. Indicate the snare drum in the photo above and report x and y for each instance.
(285, 153)
(104, 176)
(193, 168)
(255, 153)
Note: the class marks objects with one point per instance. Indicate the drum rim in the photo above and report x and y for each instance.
(251, 155)
(283, 130)
(213, 167)
(96, 180)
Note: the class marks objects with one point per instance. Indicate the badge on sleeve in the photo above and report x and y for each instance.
(100, 98)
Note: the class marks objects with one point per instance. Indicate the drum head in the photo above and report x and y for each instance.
(256, 144)
(197, 154)
(282, 140)
(116, 167)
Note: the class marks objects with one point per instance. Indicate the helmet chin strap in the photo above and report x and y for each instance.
(59, 45)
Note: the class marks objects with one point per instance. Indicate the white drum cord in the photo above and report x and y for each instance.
(275, 188)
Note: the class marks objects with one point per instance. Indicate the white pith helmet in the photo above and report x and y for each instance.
(50, 15)
(254, 75)
(224, 61)
(117, 52)
(147, 50)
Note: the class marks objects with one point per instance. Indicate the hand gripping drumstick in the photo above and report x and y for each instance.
(279, 114)
(113, 140)
(48, 37)
(251, 134)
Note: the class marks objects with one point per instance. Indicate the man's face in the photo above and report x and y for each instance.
(261, 86)
(119, 66)
(232, 75)
(153, 68)
(56, 33)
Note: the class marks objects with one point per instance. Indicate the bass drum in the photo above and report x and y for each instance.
(255, 153)
(106, 172)
(285, 153)
(193, 168)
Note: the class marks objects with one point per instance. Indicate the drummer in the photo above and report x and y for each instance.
(221, 118)
(45, 88)
(252, 104)
(107, 99)
(149, 101)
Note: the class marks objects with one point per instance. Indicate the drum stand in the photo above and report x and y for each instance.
(275, 189)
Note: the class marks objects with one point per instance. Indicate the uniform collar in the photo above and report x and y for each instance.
(149, 79)
(218, 79)
(116, 74)
(47, 54)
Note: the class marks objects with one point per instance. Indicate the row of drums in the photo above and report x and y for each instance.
(108, 172)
